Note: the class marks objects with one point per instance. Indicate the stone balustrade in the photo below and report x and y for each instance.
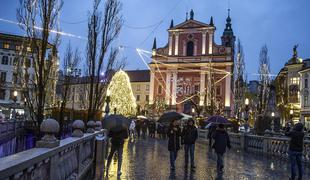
(268, 145)
(74, 158)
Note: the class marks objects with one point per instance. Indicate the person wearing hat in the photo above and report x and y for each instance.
(295, 149)
(189, 137)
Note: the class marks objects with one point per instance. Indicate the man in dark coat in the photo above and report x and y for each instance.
(117, 143)
(295, 149)
(189, 137)
(174, 134)
(221, 141)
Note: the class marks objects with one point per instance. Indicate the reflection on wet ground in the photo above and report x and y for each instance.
(149, 159)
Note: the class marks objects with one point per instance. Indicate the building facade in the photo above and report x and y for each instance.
(304, 93)
(290, 87)
(191, 66)
(12, 77)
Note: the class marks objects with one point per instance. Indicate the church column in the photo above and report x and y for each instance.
(167, 91)
(176, 47)
(204, 36)
(170, 44)
(202, 88)
(210, 43)
(228, 88)
(152, 81)
(174, 87)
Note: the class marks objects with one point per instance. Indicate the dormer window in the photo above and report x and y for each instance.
(190, 48)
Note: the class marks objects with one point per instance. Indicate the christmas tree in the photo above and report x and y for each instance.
(122, 98)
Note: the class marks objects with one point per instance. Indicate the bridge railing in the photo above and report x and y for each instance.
(268, 145)
(74, 158)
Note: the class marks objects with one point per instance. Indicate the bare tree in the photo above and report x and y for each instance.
(38, 19)
(264, 78)
(103, 29)
(239, 87)
(70, 62)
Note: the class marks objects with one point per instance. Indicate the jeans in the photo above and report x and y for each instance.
(189, 150)
(119, 150)
(296, 158)
(173, 157)
(219, 162)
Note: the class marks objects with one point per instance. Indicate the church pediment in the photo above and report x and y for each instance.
(191, 24)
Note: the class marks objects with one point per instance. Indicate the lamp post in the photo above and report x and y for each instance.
(246, 115)
(14, 109)
(73, 73)
(108, 100)
(193, 111)
(272, 121)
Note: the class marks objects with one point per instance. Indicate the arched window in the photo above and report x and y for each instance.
(190, 48)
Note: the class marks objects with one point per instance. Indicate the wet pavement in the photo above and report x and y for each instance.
(149, 159)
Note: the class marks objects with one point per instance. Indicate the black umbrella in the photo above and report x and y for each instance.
(116, 123)
(170, 116)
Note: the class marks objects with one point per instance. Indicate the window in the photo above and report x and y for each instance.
(5, 60)
(295, 80)
(147, 88)
(6, 45)
(197, 89)
(28, 49)
(218, 90)
(147, 98)
(2, 94)
(138, 98)
(190, 48)
(306, 83)
(17, 47)
(306, 100)
(138, 87)
(15, 78)
(15, 61)
(160, 89)
(3, 77)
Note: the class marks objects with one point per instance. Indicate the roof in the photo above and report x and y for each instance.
(189, 24)
(139, 75)
(14, 37)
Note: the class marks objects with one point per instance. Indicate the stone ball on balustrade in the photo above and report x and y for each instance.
(98, 124)
(78, 124)
(49, 126)
(91, 123)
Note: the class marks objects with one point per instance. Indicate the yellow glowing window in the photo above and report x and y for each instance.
(29, 49)
(6, 45)
(295, 80)
(17, 48)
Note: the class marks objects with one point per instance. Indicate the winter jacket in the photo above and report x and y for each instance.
(189, 135)
(221, 141)
(117, 138)
(297, 138)
(174, 139)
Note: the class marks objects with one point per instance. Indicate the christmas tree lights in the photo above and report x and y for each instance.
(121, 95)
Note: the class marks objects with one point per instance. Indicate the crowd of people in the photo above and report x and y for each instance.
(187, 135)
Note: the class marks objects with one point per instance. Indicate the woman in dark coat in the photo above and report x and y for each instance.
(174, 134)
(189, 137)
(221, 141)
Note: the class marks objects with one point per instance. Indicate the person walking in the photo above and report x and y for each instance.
(295, 149)
(138, 127)
(174, 134)
(132, 128)
(189, 137)
(210, 132)
(117, 142)
(221, 141)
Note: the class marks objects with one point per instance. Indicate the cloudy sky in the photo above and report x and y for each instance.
(278, 23)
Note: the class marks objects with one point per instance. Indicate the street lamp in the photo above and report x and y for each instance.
(246, 115)
(272, 122)
(73, 73)
(14, 99)
(193, 111)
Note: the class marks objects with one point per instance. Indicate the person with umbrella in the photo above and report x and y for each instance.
(221, 141)
(117, 125)
(174, 134)
(189, 137)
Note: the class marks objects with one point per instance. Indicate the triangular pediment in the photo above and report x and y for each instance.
(191, 24)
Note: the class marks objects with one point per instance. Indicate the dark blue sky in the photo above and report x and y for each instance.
(278, 23)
